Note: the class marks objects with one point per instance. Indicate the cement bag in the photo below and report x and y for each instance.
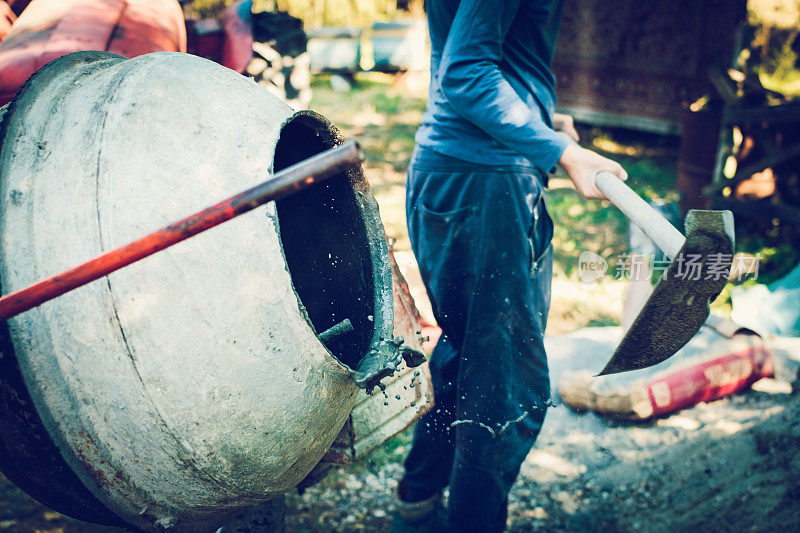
(723, 358)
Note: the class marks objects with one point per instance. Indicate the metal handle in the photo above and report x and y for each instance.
(650, 221)
(288, 181)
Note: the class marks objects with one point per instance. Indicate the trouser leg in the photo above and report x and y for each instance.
(430, 460)
(482, 243)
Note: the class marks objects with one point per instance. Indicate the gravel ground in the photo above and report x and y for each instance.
(730, 465)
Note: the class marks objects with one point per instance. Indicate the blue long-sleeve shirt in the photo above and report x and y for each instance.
(492, 93)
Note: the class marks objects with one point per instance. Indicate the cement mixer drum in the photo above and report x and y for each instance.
(193, 382)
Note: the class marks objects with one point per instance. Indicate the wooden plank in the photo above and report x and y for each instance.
(779, 114)
(776, 158)
(758, 209)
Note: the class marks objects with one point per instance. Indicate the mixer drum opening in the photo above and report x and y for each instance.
(326, 245)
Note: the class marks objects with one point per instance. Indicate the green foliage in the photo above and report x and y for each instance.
(316, 13)
(779, 71)
(774, 13)
(773, 55)
(209, 8)
(778, 253)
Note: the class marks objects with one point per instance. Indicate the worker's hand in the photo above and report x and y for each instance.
(565, 125)
(582, 165)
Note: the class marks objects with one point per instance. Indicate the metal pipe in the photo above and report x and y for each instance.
(286, 182)
(345, 326)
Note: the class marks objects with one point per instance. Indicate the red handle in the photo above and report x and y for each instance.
(286, 182)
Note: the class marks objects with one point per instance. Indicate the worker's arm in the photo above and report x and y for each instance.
(582, 165)
(475, 87)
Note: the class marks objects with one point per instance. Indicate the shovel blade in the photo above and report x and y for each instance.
(680, 302)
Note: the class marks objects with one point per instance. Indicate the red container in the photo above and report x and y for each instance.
(237, 45)
(49, 29)
(227, 40)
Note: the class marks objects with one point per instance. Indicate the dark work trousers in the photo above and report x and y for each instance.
(481, 236)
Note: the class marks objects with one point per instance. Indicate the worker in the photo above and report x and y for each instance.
(481, 234)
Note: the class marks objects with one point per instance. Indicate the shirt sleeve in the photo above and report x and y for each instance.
(476, 89)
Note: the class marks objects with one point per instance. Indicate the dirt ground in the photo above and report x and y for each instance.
(729, 465)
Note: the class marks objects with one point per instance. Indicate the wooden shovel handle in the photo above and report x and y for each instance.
(650, 221)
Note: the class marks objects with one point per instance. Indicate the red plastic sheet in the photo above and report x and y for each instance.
(49, 29)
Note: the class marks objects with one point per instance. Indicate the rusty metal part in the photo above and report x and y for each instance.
(293, 179)
(343, 327)
(28, 456)
(383, 360)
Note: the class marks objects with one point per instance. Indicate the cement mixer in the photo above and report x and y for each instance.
(203, 378)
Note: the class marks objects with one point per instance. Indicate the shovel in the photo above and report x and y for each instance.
(679, 304)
